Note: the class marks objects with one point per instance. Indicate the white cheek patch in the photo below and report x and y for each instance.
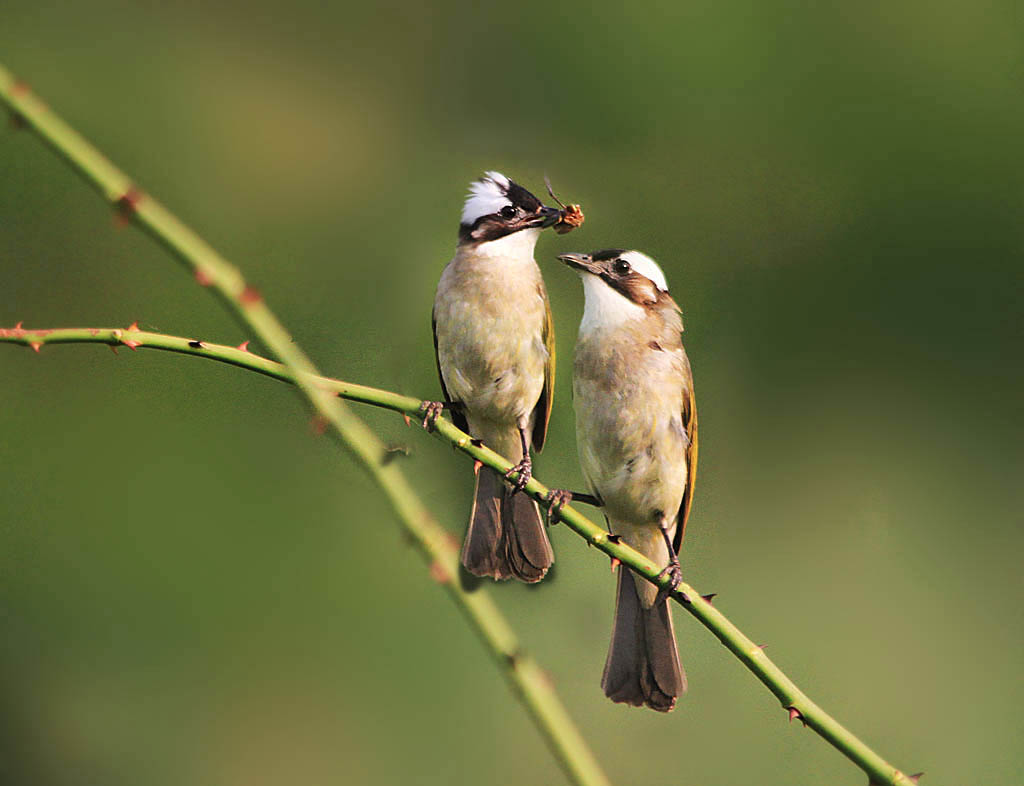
(647, 268)
(603, 307)
(486, 196)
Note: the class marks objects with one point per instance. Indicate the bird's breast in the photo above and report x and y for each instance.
(489, 322)
(631, 439)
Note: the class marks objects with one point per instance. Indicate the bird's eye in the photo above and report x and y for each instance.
(508, 212)
(622, 267)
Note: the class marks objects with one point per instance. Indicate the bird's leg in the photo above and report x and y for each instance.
(453, 406)
(559, 498)
(672, 569)
(431, 412)
(524, 468)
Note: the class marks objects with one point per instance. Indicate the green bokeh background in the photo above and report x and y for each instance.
(195, 588)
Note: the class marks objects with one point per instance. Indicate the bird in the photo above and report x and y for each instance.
(636, 433)
(494, 343)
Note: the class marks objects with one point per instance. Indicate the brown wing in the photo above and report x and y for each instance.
(542, 412)
(690, 424)
(457, 417)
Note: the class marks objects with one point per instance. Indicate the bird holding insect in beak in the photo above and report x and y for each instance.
(636, 433)
(495, 349)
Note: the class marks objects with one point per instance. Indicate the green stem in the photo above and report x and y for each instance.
(751, 655)
(432, 540)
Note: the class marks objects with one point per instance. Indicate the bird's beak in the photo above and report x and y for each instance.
(582, 262)
(549, 216)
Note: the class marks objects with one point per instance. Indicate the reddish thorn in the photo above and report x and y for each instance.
(476, 466)
(94, 331)
(405, 417)
(916, 776)
(615, 563)
(438, 573)
(244, 346)
(131, 344)
(127, 205)
(794, 713)
(36, 345)
(112, 348)
(250, 295)
(709, 597)
(134, 326)
(18, 326)
(202, 278)
(762, 647)
(318, 425)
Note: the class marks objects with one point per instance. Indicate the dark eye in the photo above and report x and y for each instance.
(622, 267)
(508, 212)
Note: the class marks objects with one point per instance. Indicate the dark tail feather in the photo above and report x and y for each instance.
(506, 537)
(643, 663)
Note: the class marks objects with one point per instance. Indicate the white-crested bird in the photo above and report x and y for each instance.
(636, 433)
(495, 348)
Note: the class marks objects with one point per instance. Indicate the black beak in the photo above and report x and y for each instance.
(549, 215)
(581, 262)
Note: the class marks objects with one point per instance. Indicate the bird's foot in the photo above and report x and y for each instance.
(675, 574)
(431, 411)
(523, 471)
(557, 499)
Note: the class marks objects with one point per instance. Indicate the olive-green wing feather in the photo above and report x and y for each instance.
(457, 417)
(689, 414)
(542, 412)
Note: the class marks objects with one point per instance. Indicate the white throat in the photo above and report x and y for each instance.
(518, 245)
(603, 307)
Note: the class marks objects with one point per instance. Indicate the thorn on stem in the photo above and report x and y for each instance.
(127, 205)
(615, 563)
(196, 344)
(112, 348)
(795, 713)
(36, 345)
(250, 296)
(616, 539)
(17, 328)
(439, 573)
(134, 326)
(202, 277)
(477, 464)
(244, 346)
(130, 344)
(476, 443)
(916, 777)
(709, 597)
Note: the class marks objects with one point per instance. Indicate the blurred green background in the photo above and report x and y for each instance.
(189, 577)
